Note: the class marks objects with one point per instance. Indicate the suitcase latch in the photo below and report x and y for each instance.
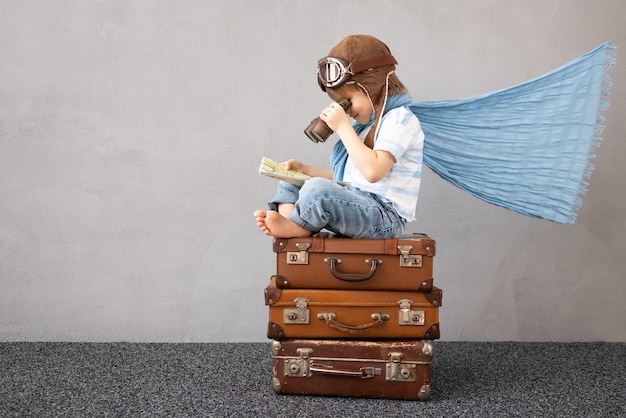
(398, 371)
(406, 316)
(407, 259)
(301, 256)
(297, 315)
(298, 367)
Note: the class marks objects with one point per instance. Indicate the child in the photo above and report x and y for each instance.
(380, 156)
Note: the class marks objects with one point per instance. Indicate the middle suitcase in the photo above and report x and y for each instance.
(352, 314)
(405, 263)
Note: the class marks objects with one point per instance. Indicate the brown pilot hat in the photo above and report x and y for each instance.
(359, 49)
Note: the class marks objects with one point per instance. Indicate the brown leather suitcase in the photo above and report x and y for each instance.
(369, 369)
(318, 262)
(352, 314)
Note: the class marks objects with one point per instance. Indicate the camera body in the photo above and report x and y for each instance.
(318, 130)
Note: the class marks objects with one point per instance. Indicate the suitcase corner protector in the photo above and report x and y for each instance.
(276, 347)
(433, 333)
(426, 285)
(435, 296)
(281, 281)
(278, 244)
(275, 331)
(272, 293)
(276, 386)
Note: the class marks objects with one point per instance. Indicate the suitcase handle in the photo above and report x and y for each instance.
(352, 277)
(363, 372)
(329, 317)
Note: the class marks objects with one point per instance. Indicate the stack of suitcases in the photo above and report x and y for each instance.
(353, 317)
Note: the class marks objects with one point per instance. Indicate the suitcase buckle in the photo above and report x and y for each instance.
(407, 259)
(301, 256)
(297, 315)
(406, 316)
(298, 367)
(398, 371)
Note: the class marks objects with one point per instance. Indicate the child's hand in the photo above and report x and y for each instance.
(293, 165)
(335, 117)
(309, 170)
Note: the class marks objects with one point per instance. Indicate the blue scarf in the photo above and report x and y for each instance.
(526, 148)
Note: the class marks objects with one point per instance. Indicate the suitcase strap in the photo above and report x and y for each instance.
(329, 317)
(352, 277)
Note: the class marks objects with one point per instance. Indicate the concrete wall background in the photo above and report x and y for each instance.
(131, 132)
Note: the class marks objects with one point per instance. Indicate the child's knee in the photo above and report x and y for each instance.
(317, 186)
(316, 190)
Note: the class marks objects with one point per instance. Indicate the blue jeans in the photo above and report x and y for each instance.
(321, 203)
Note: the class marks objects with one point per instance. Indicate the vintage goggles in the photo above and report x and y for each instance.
(334, 72)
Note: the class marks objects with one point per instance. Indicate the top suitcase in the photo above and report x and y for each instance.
(405, 263)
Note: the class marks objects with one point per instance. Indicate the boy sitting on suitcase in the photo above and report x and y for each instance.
(380, 156)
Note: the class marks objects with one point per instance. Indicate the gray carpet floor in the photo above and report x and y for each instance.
(233, 380)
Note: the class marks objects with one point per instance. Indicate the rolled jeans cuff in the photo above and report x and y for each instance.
(285, 193)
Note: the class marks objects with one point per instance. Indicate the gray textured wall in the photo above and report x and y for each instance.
(131, 132)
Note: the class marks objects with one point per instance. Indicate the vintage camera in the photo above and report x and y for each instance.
(318, 131)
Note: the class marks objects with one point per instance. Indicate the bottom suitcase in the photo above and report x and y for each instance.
(369, 369)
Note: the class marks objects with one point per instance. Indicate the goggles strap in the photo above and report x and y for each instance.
(357, 67)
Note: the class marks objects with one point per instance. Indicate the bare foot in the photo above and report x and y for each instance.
(274, 224)
(286, 208)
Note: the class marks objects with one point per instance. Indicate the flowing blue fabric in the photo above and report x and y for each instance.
(526, 148)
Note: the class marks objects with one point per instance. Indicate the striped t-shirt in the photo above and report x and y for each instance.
(401, 135)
